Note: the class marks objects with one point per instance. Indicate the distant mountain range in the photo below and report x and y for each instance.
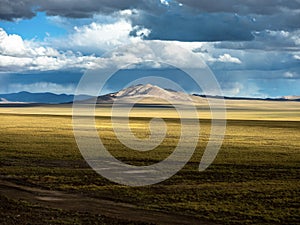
(127, 94)
(43, 98)
(284, 98)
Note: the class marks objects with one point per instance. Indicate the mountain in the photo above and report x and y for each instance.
(148, 92)
(3, 101)
(142, 90)
(44, 98)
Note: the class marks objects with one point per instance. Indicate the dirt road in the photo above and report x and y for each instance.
(79, 203)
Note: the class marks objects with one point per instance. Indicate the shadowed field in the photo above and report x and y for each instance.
(254, 180)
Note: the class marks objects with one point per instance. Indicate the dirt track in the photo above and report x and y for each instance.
(79, 203)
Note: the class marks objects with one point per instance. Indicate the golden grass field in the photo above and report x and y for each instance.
(254, 179)
(236, 110)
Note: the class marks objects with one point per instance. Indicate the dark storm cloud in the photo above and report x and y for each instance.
(267, 41)
(87, 8)
(189, 27)
(180, 24)
(10, 10)
(205, 20)
(78, 8)
(262, 7)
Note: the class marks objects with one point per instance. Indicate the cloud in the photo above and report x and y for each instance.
(233, 20)
(185, 24)
(24, 55)
(41, 87)
(259, 60)
(75, 9)
(241, 88)
(182, 25)
(228, 58)
(288, 75)
(257, 83)
(33, 56)
(97, 38)
(266, 7)
(10, 10)
(18, 55)
(268, 40)
(234, 89)
(291, 75)
(165, 2)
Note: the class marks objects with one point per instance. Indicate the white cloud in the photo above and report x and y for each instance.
(295, 36)
(285, 38)
(11, 44)
(233, 89)
(241, 89)
(42, 87)
(14, 45)
(158, 51)
(33, 56)
(164, 2)
(17, 55)
(278, 40)
(289, 75)
(207, 51)
(226, 58)
(98, 38)
(127, 12)
(297, 57)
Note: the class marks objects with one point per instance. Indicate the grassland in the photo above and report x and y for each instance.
(254, 179)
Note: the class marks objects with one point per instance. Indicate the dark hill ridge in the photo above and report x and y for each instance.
(45, 98)
(284, 98)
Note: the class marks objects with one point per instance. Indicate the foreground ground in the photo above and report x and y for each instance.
(254, 180)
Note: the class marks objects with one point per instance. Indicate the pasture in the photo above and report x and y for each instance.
(254, 179)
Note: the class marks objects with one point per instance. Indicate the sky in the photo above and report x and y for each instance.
(252, 47)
